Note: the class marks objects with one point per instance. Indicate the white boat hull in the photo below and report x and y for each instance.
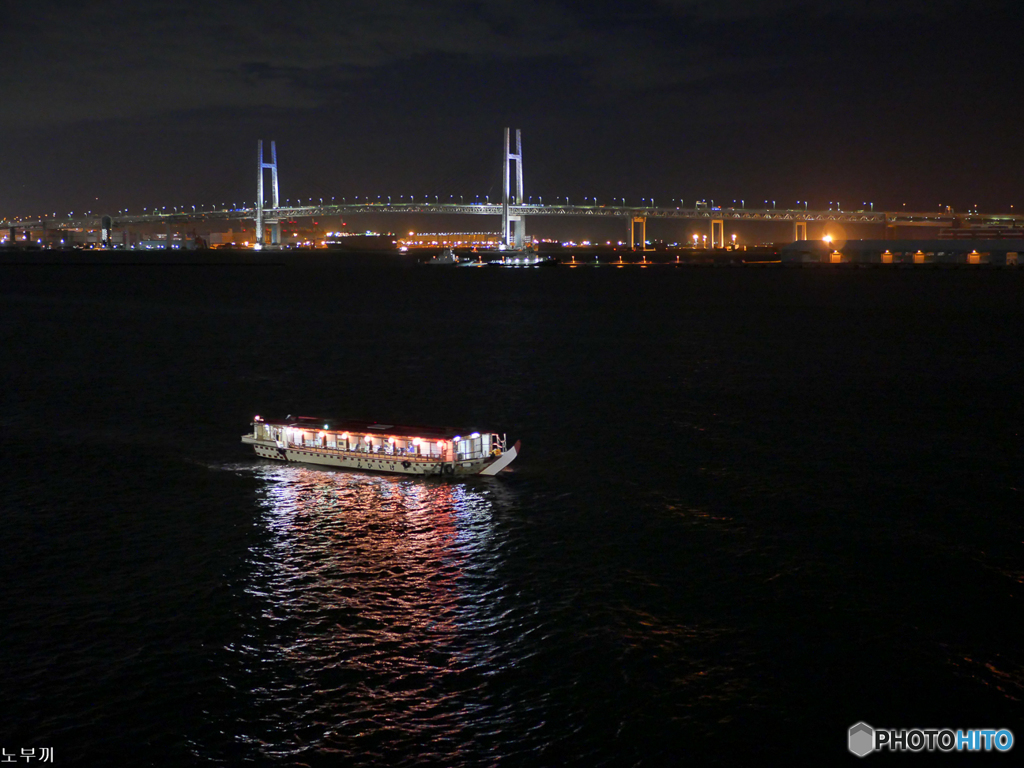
(381, 462)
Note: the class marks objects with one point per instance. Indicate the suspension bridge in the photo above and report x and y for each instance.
(267, 215)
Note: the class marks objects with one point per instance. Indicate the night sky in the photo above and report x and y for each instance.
(109, 105)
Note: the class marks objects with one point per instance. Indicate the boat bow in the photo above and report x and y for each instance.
(502, 461)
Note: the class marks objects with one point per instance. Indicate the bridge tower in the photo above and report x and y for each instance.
(513, 227)
(718, 233)
(275, 237)
(634, 243)
(106, 225)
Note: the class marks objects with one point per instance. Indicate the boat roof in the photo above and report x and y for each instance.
(369, 427)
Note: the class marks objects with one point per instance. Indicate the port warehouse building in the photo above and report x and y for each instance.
(939, 252)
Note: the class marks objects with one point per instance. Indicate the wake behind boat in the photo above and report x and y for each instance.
(364, 445)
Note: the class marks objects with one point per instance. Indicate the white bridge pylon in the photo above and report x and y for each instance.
(513, 226)
(275, 237)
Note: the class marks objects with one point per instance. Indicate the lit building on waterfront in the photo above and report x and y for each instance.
(936, 252)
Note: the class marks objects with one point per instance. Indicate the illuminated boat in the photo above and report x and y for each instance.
(506, 257)
(521, 258)
(378, 447)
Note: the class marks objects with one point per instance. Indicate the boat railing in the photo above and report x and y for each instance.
(398, 454)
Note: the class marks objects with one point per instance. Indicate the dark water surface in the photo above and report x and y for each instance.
(754, 506)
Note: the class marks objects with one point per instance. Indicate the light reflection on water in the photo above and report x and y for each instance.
(379, 610)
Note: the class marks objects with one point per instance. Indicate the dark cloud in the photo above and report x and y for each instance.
(669, 97)
(95, 61)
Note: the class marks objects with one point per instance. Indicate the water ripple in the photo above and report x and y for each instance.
(380, 617)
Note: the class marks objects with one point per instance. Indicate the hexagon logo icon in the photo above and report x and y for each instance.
(862, 739)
